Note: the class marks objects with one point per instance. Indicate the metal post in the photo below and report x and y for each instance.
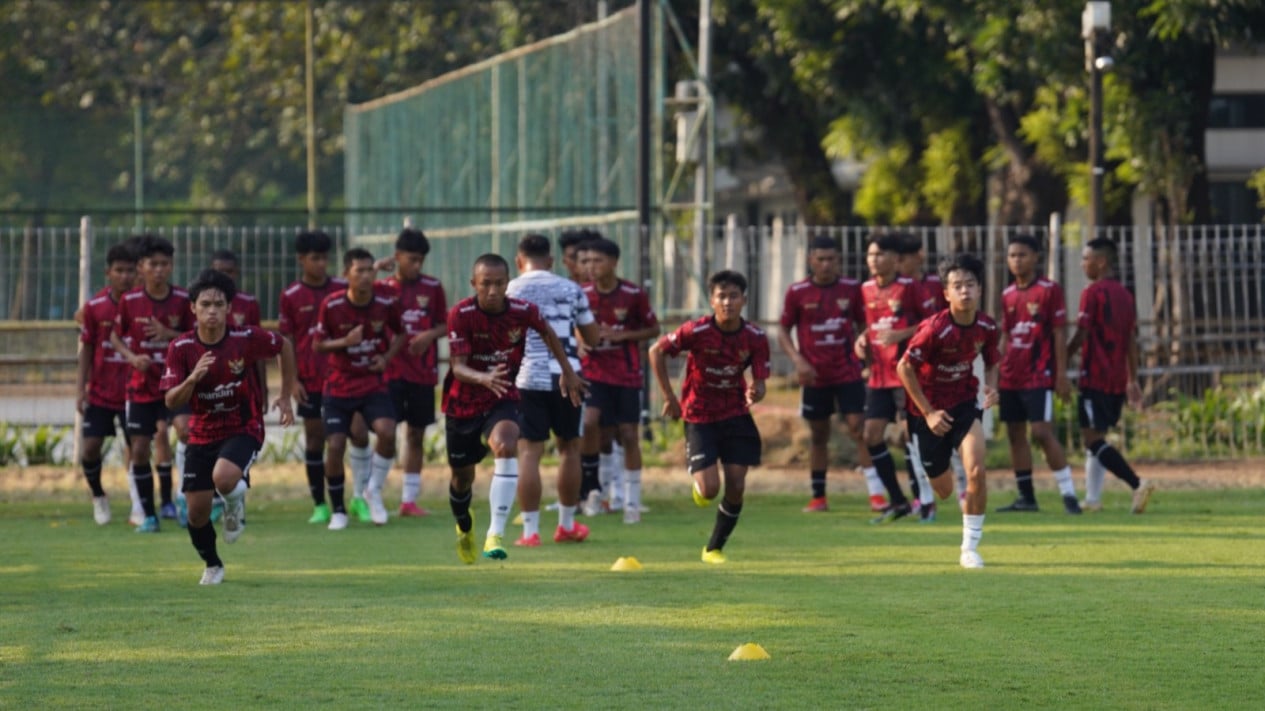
(309, 52)
(138, 156)
(703, 170)
(643, 171)
(1095, 26)
(85, 290)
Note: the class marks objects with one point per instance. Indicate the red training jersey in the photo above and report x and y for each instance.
(1030, 316)
(137, 309)
(625, 308)
(933, 299)
(225, 402)
(715, 387)
(300, 305)
(107, 381)
(1108, 318)
(422, 307)
(896, 306)
(824, 319)
(943, 353)
(487, 340)
(347, 372)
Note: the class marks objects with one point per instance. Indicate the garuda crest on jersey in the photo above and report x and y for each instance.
(1033, 308)
(621, 314)
(173, 320)
(843, 304)
(377, 325)
(894, 305)
(239, 319)
(422, 301)
(515, 335)
(236, 365)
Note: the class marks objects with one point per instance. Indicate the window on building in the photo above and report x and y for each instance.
(1237, 111)
(1234, 203)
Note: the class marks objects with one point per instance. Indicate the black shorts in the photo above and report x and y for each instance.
(819, 403)
(100, 422)
(200, 459)
(732, 441)
(465, 435)
(619, 405)
(1099, 411)
(884, 403)
(543, 410)
(312, 410)
(936, 450)
(1035, 405)
(338, 411)
(142, 417)
(414, 403)
(185, 410)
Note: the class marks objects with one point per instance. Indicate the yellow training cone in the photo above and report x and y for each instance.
(627, 565)
(748, 652)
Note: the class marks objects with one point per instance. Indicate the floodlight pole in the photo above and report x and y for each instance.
(1095, 24)
(309, 63)
(644, 136)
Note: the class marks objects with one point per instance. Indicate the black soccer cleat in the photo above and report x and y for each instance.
(1071, 505)
(891, 513)
(1020, 504)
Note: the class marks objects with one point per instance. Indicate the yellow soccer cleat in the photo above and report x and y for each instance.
(716, 557)
(494, 549)
(465, 544)
(699, 501)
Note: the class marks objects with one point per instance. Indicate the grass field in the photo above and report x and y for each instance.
(1103, 611)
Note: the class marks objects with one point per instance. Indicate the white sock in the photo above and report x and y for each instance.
(361, 469)
(181, 448)
(959, 470)
(238, 491)
(872, 483)
(131, 490)
(379, 468)
(412, 487)
(972, 530)
(566, 517)
(1095, 472)
(606, 474)
(502, 493)
(1064, 478)
(925, 494)
(618, 476)
(531, 523)
(632, 489)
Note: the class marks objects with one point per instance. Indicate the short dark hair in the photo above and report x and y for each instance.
(211, 279)
(727, 277)
(572, 238)
(888, 243)
(962, 262)
(413, 240)
(534, 246)
(224, 255)
(491, 260)
(149, 245)
(312, 242)
(356, 254)
(910, 243)
(602, 246)
(121, 252)
(823, 242)
(1026, 240)
(1106, 247)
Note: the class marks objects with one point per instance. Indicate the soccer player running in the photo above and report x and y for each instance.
(148, 318)
(893, 309)
(486, 339)
(360, 331)
(716, 400)
(1033, 370)
(938, 373)
(211, 369)
(564, 306)
(1106, 334)
(612, 368)
(102, 375)
(826, 312)
(414, 372)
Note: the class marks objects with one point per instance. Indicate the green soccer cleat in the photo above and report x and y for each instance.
(360, 509)
(494, 549)
(716, 557)
(320, 514)
(149, 525)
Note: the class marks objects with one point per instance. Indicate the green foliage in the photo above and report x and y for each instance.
(951, 176)
(43, 445)
(1224, 422)
(1257, 183)
(10, 444)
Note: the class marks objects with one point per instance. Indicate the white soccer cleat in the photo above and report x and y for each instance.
(592, 504)
(971, 560)
(337, 521)
(212, 576)
(632, 514)
(136, 518)
(234, 518)
(1142, 496)
(377, 510)
(101, 510)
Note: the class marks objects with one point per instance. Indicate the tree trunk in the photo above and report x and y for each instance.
(1027, 191)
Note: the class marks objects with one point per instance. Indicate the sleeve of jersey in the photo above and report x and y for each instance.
(121, 319)
(285, 322)
(760, 367)
(991, 353)
(395, 313)
(88, 327)
(176, 371)
(254, 317)
(648, 317)
(1085, 318)
(921, 307)
(673, 343)
(318, 326)
(920, 344)
(858, 309)
(264, 344)
(790, 309)
(441, 305)
(187, 322)
(1058, 307)
(458, 342)
(535, 321)
(583, 313)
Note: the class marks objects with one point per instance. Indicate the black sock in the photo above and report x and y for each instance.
(460, 505)
(726, 519)
(204, 543)
(336, 494)
(1023, 480)
(1113, 460)
(164, 482)
(886, 469)
(589, 481)
(818, 477)
(144, 478)
(315, 465)
(92, 472)
(909, 467)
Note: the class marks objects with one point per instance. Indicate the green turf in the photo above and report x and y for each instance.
(1103, 611)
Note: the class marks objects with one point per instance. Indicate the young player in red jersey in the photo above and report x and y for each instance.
(1106, 334)
(1033, 370)
(102, 375)
(211, 370)
(613, 369)
(826, 312)
(717, 400)
(148, 318)
(938, 372)
(414, 372)
(893, 308)
(486, 337)
(361, 331)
